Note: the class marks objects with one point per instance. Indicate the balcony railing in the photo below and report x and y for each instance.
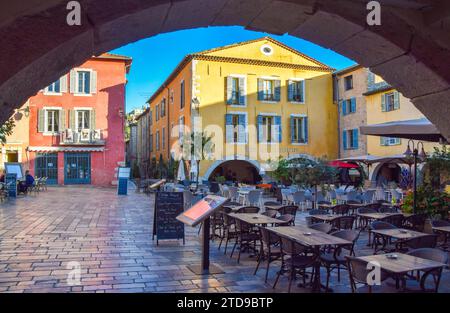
(83, 137)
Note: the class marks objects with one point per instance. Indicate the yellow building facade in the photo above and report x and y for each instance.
(260, 100)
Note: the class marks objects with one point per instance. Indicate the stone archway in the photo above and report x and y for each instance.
(410, 49)
(254, 164)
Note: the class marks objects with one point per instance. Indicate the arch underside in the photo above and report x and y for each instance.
(410, 49)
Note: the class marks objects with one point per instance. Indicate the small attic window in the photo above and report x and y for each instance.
(266, 49)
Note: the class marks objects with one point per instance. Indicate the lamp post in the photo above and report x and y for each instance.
(416, 156)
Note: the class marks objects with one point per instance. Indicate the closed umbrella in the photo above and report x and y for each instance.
(181, 176)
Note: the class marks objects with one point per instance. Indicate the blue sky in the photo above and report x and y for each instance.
(155, 58)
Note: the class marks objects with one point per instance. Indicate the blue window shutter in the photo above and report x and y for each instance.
(242, 134)
(383, 103)
(290, 90)
(259, 127)
(341, 107)
(355, 139)
(277, 90)
(344, 139)
(242, 90)
(344, 107)
(229, 88)
(353, 104)
(278, 128)
(305, 123)
(292, 129)
(260, 89)
(396, 100)
(229, 127)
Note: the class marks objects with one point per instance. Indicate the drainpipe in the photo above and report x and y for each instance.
(338, 115)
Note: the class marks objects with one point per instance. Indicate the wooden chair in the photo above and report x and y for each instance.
(246, 238)
(323, 227)
(358, 273)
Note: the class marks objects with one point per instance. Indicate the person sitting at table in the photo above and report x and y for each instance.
(24, 185)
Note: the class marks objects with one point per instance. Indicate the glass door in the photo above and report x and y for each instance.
(77, 168)
(46, 165)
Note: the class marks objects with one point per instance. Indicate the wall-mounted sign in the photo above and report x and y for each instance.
(201, 210)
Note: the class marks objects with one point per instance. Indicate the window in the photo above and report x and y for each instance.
(84, 82)
(150, 117)
(390, 101)
(267, 123)
(157, 140)
(52, 125)
(348, 82)
(157, 112)
(268, 90)
(236, 128)
(151, 143)
(234, 90)
(171, 96)
(266, 50)
(55, 87)
(350, 139)
(163, 138)
(296, 91)
(181, 128)
(83, 118)
(182, 94)
(163, 107)
(389, 141)
(299, 129)
(348, 106)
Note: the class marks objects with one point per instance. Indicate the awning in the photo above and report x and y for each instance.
(341, 164)
(418, 129)
(66, 149)
(366, 159)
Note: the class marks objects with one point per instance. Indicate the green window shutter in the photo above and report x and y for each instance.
(290, 90)
(92, 121)
(72, 119)
(62, 120)
(277, 86)
(229, 88)
(260, 89)
(41, 121)
(242, 91)
(383, 103)
(396, 100)
(93, 82)
(73, 79)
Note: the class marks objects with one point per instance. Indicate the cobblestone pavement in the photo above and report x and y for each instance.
(110, 237)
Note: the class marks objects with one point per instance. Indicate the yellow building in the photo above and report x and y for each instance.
(260, 99)
(14, 150)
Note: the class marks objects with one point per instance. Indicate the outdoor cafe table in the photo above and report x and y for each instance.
(328, 218)
(402, 264)
(255, 218)
(398, 233)
(379, 216)
(276, 207)
(311, 238)
(445, 230)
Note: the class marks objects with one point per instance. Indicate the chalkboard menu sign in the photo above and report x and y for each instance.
(11, 183)
(168, 205)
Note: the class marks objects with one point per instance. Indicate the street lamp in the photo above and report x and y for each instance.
(417, 156)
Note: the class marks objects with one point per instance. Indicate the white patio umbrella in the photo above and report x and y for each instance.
(181, 172)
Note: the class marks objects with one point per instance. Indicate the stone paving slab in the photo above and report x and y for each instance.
(111, 239)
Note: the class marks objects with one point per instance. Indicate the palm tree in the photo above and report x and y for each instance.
(197, 146)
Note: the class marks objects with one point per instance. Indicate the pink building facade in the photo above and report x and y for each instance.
(76, 131)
